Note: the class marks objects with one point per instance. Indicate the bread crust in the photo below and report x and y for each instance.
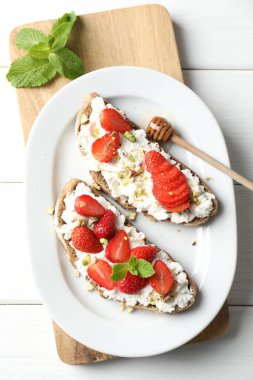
(100, 180)
(70, 252)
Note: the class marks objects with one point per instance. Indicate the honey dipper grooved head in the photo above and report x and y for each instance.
(160, 129)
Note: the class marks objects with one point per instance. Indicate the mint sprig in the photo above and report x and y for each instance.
(47, 55)
(137, 267)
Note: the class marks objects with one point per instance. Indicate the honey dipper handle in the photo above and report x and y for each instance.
(231, 173)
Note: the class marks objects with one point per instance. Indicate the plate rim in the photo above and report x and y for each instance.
(32, 137)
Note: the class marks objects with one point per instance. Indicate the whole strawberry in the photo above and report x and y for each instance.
(85, 240)
(131, 284)
(146, 252)
(105, 227)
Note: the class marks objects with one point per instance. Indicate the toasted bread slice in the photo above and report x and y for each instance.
(83, 117)
(185, 293)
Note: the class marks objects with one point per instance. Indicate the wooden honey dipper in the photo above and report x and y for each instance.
(161, 130)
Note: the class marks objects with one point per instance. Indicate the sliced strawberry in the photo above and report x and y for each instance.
(105, 148)
(85, 205)
(162, 281)
(168, 176)
(131, 284)
(118, 249)
(171, 196)
(146, 252)
(85, 240)
(155, 162)
(175, 203)
(178, 208)
(105, 227)
(166, 185)
(100, 272)
(112, 120)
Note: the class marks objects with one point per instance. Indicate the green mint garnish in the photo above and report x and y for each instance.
(47, 55)
(119, 271)
(145, 269)
(137, 267)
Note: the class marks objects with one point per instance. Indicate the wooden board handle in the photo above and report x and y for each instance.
(218, 165)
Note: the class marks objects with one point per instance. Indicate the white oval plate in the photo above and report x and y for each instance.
(52, 159)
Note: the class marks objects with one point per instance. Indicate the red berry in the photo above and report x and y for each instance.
(177, 208)
(155, 162)
(162, 281)
(100, 272)
(105, 227)
(168, 176)
(173, 196)
(146, 252)
(131, 284)
(105, 148)
(112, 120)
(118, 249)
(85, 205)
(165, 184)
(85, 240)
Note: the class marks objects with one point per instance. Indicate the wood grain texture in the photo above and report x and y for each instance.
(139, 36)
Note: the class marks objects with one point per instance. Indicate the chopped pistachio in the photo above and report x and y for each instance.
(82, 222)
(50, 211)
(103, 241)
(122, 307)
(208, 178)
(194, 242)
(129, 136)
(132, 215)
(126, 181)
(131, 158)
(139, 192)
(77, 274)
(96, 133)
(96, 186)
(137, 168)
(86, 260)
(84, 119)
(130, 309)
(121, 175)
(152, 300)
(178, 230)
(90, 287)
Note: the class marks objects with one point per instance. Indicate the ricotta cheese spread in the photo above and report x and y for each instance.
(181, 294)
(138, 188)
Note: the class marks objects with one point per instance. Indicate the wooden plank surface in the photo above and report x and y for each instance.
(141, 47)
(27, 351)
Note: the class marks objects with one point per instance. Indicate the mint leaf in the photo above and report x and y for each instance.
(132, 266)
(119, 271)
(28, 37)
(29, 72)
(61, 30)
(145, 269)
(40, 51)
(67, 17)
(66, 63)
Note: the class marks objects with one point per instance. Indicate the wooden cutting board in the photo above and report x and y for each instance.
(138, 36)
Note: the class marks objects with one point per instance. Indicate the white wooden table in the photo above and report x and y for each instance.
(215, 41)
